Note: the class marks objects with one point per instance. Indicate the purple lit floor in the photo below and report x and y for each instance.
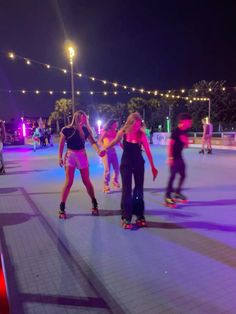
(184, 262)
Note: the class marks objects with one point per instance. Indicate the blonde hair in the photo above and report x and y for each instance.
(76, 120)
(132, 118)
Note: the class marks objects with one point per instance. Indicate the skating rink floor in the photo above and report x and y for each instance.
(183, 262)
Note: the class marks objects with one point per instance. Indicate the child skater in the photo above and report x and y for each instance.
(132, 165)
(177, 142)
(110, 159)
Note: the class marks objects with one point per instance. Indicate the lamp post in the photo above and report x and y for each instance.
(99, 123)
(209, 109)
(71, 51)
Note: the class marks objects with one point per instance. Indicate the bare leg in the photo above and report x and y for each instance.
(70, 171)
(87, 182)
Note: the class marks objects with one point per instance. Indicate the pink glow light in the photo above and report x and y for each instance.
(23, 129)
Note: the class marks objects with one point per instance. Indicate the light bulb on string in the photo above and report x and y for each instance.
(11, 55)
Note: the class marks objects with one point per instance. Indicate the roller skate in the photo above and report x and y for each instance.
(169, 202)
(95, 211)
(178, 197)
(126, 224)
(141, 222)
(106, 189)
(116, 185)
(201, 151)
(209, 151)
(2, 171)
(62, 213)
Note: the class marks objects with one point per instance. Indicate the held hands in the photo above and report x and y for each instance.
(154, 173)
(61, 162)
(102, 153)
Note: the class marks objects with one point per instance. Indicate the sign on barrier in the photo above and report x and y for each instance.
(160, 138)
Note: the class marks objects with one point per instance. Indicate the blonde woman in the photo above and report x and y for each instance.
(75, 136)
(132, 165)
(110, 159)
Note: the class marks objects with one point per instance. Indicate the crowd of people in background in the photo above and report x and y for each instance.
(42, 137)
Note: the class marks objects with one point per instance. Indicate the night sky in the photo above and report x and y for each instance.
(149, 44)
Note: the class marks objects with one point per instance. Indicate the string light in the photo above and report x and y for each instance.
(105, 93)
(28, 61)
(11, 55)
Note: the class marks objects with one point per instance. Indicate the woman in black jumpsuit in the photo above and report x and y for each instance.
(132, 165)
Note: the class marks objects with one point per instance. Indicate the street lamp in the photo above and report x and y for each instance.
(71, 53)
(99, 123)
(209, 109)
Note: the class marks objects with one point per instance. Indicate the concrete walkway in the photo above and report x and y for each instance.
(184, 262)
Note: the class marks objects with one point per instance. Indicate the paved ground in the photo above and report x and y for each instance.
(184, 262)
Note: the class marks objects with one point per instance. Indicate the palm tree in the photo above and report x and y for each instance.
(55, 116)
(222, 108)
(64, 106)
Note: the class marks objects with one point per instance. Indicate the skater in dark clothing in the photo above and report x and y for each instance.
(75, 136)
(132, 165)
(177, 142)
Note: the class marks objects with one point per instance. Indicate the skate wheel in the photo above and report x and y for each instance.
(62, 216)
(95, 212)
(141, 224)
(181, 201)
(170, 205)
